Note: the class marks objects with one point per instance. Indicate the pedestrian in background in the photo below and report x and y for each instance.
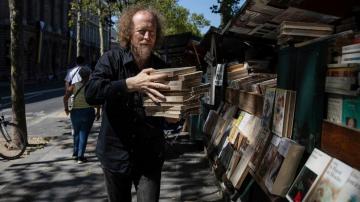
(130, 146)
(82, 115)
(72, 76)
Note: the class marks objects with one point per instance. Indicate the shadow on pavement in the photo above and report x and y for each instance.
(54, 176)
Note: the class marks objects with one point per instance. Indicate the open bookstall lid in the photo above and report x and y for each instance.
(263, 18)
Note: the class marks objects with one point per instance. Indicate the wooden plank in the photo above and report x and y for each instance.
(342, 143)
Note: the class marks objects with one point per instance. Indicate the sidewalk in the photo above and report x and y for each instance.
(50, 174)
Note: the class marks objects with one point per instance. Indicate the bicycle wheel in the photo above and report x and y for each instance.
(11, 146)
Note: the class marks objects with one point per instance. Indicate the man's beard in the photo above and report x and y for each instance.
(142, 54)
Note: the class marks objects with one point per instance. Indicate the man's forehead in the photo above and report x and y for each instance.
(143, 14)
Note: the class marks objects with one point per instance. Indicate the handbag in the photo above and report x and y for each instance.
(72, 97)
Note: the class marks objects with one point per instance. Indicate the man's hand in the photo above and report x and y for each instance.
(146, 83)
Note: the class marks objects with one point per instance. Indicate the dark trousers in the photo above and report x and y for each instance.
(144, 171)
(119, 185)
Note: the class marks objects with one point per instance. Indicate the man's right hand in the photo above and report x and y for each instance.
(146, 83)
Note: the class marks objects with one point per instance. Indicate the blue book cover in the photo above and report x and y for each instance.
(351, 112)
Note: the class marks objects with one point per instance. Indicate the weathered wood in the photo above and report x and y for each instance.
(342, 143)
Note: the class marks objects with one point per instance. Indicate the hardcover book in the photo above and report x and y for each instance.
(268, 107)
(283, 112)
(351, 112)
(282, 170)
(262, 141)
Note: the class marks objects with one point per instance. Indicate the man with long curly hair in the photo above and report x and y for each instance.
(130, 145)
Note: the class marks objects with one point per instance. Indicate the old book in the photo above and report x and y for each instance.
(331, 183)
(305, 26)
(171, 104)
(267, 114)
(226, 154)
(169, 99)
(341, 83)
(308, 176)
(269, 156)
(233, 163)
(176, 85)
(171, 72)
(304, 32)
(241, 169)
(203, 86)
(282, 170)
(343, 72)
(210, 122)
(353, 48)
(235, 67)
(234, 133)
(334, 109)
(283, 112)
(351, 190)
(290, 115)
(340, 65)
(262, 141)
(351, 112)
(350, 58)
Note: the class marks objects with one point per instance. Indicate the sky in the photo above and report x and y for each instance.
(202, 7)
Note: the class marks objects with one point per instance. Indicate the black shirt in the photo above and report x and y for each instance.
(127, 136)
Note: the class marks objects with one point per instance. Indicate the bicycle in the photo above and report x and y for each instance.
(12, 145)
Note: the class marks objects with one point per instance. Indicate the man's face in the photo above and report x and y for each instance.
(144, 34)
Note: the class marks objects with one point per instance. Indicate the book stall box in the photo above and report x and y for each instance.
(291, 152)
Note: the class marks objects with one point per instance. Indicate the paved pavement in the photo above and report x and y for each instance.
(49, 174)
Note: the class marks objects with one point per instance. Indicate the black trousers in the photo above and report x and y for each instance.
(145, 174)
(119, 185)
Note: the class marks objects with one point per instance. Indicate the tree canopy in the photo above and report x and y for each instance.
(227, 9)
(178, 19)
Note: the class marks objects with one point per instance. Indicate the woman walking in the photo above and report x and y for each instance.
(82, 115)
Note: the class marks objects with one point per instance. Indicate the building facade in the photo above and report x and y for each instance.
(49, 44)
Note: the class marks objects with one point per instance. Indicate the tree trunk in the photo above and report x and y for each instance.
(101, 28)
(16, 57)
(78, 29)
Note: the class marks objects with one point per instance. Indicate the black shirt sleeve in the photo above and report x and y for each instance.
(104, 82)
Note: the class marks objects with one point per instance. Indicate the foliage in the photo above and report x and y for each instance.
(227, 9)
(178, 19)
(91, 7)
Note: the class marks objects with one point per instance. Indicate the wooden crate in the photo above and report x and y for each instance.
(342, 143)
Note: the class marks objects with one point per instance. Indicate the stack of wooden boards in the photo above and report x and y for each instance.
(183, 96)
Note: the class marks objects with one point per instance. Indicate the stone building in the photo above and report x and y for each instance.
(49, 45)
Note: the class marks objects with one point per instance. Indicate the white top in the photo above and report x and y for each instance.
(70, 75)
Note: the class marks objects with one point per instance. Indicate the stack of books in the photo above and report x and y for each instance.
(301, 31)
(342, 79)
(183, 96)
(351, 53)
